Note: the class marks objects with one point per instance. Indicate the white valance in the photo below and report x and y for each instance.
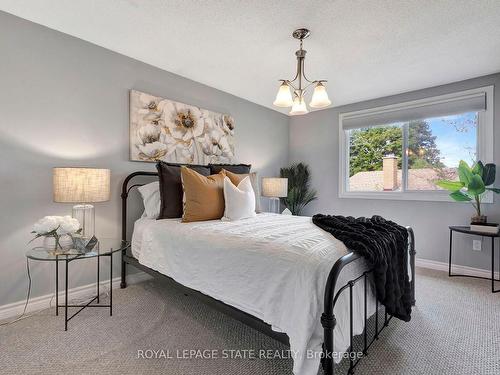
(419, 109)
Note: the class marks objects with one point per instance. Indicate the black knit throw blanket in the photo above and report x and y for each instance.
(385, 246)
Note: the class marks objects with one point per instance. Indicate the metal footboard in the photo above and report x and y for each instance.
(331, 298)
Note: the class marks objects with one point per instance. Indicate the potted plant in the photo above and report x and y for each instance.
(474, 182)
(299, 187)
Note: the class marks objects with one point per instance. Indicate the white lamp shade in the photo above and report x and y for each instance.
(299, 107)
(81, 185)
(273, 187)
(320, 97)
(283, 97)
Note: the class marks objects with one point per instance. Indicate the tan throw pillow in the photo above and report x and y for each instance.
(203, 196)
(236, 178)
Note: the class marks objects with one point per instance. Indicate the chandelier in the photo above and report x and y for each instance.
(297, 102)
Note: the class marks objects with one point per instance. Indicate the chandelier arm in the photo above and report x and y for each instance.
(299, 71)
(313, 83)
(289, 83)
(310, 84)
(297, 74)
(304, 73)
(304, 90)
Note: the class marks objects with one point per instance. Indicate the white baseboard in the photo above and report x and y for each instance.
(79, 293)
(82, 292)
(456, 268)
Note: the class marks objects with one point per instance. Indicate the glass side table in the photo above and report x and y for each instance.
(105, 247)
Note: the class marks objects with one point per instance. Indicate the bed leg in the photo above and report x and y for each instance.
(412, 252)
(328, 322)
(123, 283)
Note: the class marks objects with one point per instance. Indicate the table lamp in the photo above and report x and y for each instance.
(83, 186)
(274, 188)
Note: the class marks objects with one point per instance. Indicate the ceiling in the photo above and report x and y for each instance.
(365, 49)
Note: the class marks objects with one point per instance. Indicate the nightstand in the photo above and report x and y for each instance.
(105, 247)
(466, 230)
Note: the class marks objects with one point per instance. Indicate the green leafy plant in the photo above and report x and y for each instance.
(368, 147)
(473, 183)
(300, 193)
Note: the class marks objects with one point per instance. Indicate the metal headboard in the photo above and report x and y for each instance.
(125, 191)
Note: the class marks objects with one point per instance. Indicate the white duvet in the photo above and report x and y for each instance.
(272, 266)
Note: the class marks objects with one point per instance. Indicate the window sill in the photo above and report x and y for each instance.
(408, 196)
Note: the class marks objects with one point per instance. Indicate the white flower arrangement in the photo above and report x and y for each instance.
(56, 226)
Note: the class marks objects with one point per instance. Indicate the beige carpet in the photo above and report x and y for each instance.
(455, 330)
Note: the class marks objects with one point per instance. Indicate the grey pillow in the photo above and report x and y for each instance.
(235, 168)
(171, 187)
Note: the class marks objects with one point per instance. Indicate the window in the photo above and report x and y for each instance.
(400, 151)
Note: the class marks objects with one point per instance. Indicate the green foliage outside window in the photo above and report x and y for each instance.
(368, 146)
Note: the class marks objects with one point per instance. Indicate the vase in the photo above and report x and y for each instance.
(479, 219)
(65, 243)
(49, 243)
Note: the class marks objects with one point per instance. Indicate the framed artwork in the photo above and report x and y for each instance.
(161, 129)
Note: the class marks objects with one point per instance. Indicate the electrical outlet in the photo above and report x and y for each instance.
(476, 245)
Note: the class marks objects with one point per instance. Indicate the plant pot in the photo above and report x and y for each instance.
(65, 243)
(479, 219)
(49, 243)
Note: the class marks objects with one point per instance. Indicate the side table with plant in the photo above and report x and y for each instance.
(474, 183)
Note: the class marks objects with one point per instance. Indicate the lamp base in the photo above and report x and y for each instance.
(274, 205)
(85, 214)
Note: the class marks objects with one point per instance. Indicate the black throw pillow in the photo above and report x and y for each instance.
(234, 168)
(169, 176)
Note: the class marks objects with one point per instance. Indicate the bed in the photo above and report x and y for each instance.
(280, 274)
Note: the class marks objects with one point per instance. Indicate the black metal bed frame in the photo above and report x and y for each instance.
(328, 320)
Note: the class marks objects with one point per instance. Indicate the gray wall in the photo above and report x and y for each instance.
(64, 102)
(314, 140)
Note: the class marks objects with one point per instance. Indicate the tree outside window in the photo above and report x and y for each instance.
(433, 148)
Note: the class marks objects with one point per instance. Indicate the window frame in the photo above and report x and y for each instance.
(485, 143)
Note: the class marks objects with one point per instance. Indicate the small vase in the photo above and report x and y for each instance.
(479, 219)
(65, 243)
(49, 243)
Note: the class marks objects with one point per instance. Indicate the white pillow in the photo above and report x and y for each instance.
(239, 200)
(150, 194)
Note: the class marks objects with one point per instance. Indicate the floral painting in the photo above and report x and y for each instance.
(161, 129)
